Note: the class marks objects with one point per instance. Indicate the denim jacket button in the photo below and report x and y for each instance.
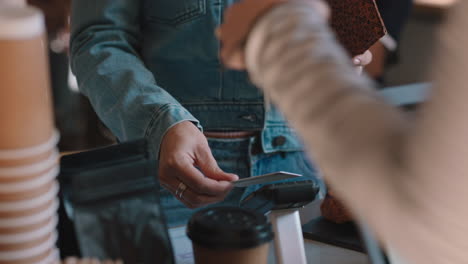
(279, 141)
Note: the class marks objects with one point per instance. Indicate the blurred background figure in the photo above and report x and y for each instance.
(391, 174)
(79, 127)
(75, 119)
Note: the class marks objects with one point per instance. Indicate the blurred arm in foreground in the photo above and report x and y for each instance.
(406, 178)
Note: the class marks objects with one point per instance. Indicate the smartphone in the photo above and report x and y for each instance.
(357, 24)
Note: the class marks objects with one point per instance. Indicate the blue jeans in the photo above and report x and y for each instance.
(244, 158)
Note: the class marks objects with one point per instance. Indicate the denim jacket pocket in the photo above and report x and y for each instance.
(280, 138)
(174, 12)
(277, 136)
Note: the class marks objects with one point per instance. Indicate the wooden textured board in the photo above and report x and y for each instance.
(357, 24)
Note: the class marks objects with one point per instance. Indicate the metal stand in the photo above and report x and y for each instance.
(289, 242)
(283, 201)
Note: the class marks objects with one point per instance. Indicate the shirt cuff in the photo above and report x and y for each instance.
(164, 120)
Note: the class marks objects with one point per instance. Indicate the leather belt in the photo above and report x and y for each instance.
(230, 134)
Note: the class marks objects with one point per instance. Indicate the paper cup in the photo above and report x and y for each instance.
(25, 245)
(26, 115)
(12, 3)
(26, 195)
(10, 158)
(17, 238)
(21, 153)
(22, 214)
(29, 185)
(26, 156)
(214, 233)
(37, 217)
(26, 228)
(40, 258)
(257, 255)
(25, 161)
(29, 204)
(52, 258)
(25, 254)
(19, 173)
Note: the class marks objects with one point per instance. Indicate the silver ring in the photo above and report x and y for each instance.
(180, 190)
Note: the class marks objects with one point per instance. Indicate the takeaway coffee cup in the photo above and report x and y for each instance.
(12, 3)
(29, 172)
(26, 114)
(29, 155)
(38, 216)
(33, 254)
(229, 235)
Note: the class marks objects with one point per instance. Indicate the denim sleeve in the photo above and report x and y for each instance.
(105, 41)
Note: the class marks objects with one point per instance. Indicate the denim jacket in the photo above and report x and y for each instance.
(147, 65)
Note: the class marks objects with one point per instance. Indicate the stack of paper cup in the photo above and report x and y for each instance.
(28, 153)
(72, 260)
(12, 2)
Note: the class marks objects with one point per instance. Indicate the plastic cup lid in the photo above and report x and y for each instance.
(229, 228)
(20, 22)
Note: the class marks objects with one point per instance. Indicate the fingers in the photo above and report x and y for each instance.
(188, 196)
(322, 8)
(363, 59)
(195, 200)
(235, 60)
(197, 181)
(186, 158)
(232, 36)
(231, 55)
(208, 165)
(359, 70)
(201, 189)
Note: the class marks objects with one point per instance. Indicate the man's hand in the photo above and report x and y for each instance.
(240, 18)
(188, 169)
(361, 61)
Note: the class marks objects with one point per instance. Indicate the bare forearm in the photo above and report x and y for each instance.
(341, 120)
(387, 169)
